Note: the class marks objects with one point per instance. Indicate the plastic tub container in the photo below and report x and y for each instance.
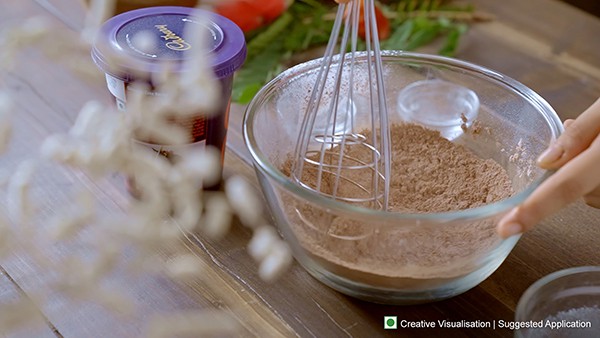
(168, 23)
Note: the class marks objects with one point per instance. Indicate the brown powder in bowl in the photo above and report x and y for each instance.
(429, 174)
(432, 174)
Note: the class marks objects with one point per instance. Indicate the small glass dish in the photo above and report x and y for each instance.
(565, 303)
(440, 105)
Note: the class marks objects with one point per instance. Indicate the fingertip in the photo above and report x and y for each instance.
(568, 122)
(510, 225)
(510, 229)
(577, 136)
(551, 156)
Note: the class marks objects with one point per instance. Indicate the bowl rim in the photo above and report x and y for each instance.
(547, 280)
(261, 161)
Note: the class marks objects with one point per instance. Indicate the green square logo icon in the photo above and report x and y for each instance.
(390, 322)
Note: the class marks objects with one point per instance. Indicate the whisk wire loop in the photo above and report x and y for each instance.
(328, 159)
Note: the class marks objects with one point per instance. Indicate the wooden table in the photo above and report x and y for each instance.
(549, 46)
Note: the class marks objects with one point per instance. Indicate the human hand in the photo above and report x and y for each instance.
(576, 155)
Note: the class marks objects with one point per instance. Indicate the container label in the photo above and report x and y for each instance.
(116, 87)
(196, 125)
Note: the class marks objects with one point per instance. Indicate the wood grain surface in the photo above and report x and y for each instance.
(547, 45)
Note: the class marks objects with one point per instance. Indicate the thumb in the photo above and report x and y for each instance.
(577, 137)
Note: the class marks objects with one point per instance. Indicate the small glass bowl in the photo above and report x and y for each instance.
(565, 303)
(440, 105)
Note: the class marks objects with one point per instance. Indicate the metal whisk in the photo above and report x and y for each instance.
(342, 151)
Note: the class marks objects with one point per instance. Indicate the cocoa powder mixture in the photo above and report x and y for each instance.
(432, 174)
(429, 174)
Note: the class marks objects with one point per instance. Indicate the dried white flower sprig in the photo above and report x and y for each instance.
(98, 12)
(266, 247)
(70, 49)
(273, 255)
(21, 209)
(194, 323)
(6, 107)
(170, 204)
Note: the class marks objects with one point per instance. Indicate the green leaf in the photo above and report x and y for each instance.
(300, 27)
(309, 28)
(469, 8)
(412, 5)
(307, 24)
(245, 94)
(312, 3)
(436, 4)
(265, 39)
(424, 5)
(399, 37)
(425, 31)
(256, 72)
(451, 44)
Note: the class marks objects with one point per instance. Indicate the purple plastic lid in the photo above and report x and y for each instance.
(168, 23)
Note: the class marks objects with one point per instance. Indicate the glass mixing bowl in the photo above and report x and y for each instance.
(390, 257)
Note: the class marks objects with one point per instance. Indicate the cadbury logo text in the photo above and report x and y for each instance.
(174, 41)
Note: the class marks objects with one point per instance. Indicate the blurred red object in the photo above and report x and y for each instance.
(252, 14)
(383, 24)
